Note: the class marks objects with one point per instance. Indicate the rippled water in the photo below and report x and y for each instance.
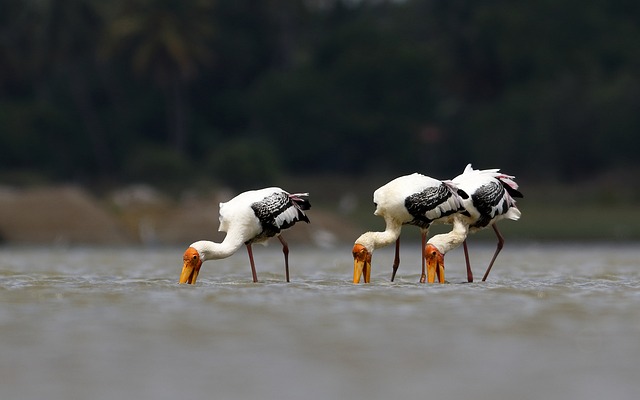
(552, 322)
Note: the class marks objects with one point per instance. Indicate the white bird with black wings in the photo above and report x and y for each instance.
(488, 197)
(411, 199)
(250, 217)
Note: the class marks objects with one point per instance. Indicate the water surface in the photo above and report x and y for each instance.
(553, 321)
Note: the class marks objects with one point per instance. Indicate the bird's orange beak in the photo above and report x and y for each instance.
(191, 266)
(361, 264)
(435, 263)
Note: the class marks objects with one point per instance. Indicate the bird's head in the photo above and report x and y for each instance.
(191, 266)
(435, 263)
(361, 263)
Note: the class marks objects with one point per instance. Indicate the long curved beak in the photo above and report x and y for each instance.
(361, 264)
(435, 264)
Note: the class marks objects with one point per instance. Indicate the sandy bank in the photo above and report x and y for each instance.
(70, 215)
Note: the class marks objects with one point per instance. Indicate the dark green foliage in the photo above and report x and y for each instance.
(140, 89)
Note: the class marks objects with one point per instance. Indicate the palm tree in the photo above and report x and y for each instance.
(168, 41)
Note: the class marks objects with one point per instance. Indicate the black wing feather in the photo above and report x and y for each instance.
(270, 210)
(430, 204)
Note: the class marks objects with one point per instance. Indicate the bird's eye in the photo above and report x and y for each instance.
(195, 258)
(433, 253)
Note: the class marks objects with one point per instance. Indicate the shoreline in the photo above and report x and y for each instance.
(143, 215)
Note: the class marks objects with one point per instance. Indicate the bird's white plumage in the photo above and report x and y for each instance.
(488, 200)
(250, 217)
(239, 212)
(289, 215)
(450, 240)
(472, 180)
(391, 204)
(411, 199)
(239, 220)
(390, 197)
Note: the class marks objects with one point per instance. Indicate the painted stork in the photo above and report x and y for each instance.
(411, 199)
(250, 217)
(490, 198)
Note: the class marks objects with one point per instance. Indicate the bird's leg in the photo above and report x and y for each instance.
(253, 265)
(285, 250)
(498, 248)
(423, 243)
(466, 258)
(396, 260)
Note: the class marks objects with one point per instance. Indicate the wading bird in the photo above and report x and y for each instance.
(250, 217)
(411, 199)
(490, 198)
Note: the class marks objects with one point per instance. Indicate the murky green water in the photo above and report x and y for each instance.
(552, 322)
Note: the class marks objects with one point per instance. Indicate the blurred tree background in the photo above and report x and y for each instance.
(242, 92)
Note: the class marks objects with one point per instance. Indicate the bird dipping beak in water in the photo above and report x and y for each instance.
(191, 266)
(361, 264)
(435, 264)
